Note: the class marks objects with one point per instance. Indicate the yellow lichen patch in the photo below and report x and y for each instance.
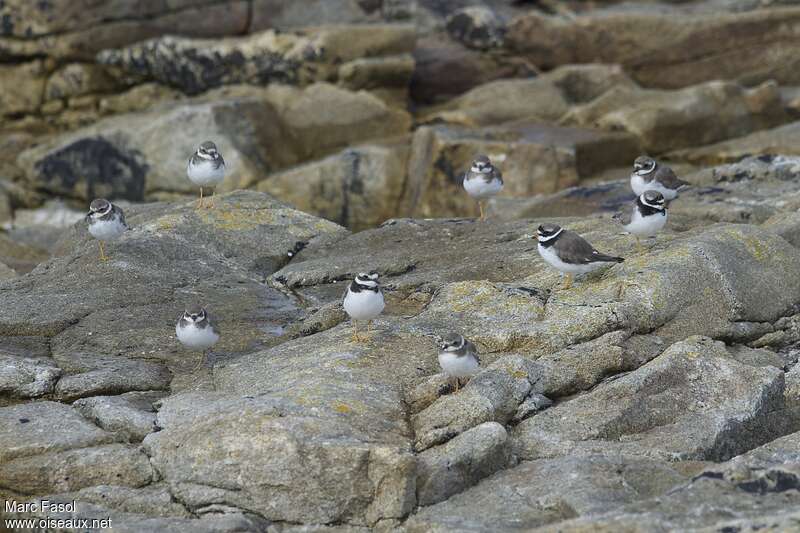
(342, 408)
(519, 374)
(167, 222)
(228, 219)
(756, 247)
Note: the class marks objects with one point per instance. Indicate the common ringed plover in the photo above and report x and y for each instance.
(649, 175)
(363, 300)
(195, 331)
(206, 168)
(647, 217)
(569, 253)
(106, 223)
(482, 181)
(458, 357)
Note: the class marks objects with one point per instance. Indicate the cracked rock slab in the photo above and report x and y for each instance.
(71, 470)
(114, 375)
(22, 377)
(536, 493)
(493, 394)
(130, 415)
(460, 463)
(693, 402)
(41, 427)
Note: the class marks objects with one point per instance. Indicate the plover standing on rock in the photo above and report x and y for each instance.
(363, 300)
(647, 218)
(569, 253)
(195, 331)
(649, 175)
(458, 357)
(106, 223)
(206, 168)
(482, 181)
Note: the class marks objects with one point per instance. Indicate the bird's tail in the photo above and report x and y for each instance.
(608, 258)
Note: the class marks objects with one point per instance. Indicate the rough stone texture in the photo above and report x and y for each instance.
(738, 193)
(128, 306)
(693, 402)
(21, 87)
(19, 256)
(217, 520)
(545, 98)
(476, 27)
(665, 120)
(75, 469)
(670, 47)
(780, 140)
(25, 377)
(130, 415)
(359, 188)
(451, 468)
(91, 376)
(533, 157)
(64, 29)
(465, 68)
(196, 65)
(77, 79)
(536, 493)
(127, 157)
(141, 155)
(45, 427)
(492, 395)
(6, 272)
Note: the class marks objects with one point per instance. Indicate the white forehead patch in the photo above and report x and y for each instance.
(543, 238)
(654, 206)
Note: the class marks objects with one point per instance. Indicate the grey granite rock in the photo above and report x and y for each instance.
(40, 427)
(27, 378)
(536, 493)
(693, 402)
(130, 415)
(460, 463)
(71, 470)
(493, 395)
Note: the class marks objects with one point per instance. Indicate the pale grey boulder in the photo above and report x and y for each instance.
(71, 470)
(40, 427)
(131, 414)
(492, 395)
(693, 402)
(448, 469)
(23, 377)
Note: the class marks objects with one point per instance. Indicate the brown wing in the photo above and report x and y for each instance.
(496, 174)
(667, 178)
(576, 250)
(623, 218)
(473, 350)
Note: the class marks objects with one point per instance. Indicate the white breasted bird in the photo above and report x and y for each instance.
(195, 331)
(458, 357)
(482, 181)
(647, 217)
(649, 175)
(569, 253)
(206, 168)
(363, 300)
(106, 223)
